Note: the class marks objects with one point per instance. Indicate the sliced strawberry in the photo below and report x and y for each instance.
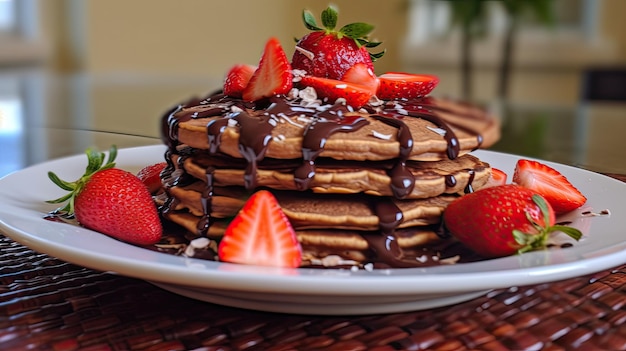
(273, 76)
(363, 75)
(151, 176)
(237, 79)
(497, 177)
(356, 95)
(261, 234)
(550, 183)
(395, 85)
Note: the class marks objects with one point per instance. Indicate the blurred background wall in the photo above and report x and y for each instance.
(192, 37)
(201, 39)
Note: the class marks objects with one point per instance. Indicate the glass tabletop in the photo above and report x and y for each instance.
(44, 117)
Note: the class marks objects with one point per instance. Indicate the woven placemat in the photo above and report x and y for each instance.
(48, 304)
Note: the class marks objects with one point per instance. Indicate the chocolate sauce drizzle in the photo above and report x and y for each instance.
(402, 179)
(255, 133)
(314, 139)
(421, 111)
(255, 123)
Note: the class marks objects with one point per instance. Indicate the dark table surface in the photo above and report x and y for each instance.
(49, 304)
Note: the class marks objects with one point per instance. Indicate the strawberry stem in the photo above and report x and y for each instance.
(95, 163)
(532, 242)
(356, 31)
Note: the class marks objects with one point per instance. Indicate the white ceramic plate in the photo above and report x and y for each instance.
(309, 291)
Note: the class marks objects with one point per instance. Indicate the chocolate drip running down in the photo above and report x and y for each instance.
(314, 138)
(427, 104)
(255, 133)
(420, 111)
(402, 180)
(255, 124)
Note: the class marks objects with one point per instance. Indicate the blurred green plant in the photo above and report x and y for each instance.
(540, 10)
(472, 17)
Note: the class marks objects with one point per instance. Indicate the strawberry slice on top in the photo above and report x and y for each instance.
(273, 75)
(397, 85)
(261, 235)
(151, 176)
(549, 183)
(355, 95)
(237, 79)
(363, 75)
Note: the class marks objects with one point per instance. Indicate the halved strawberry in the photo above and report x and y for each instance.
(363, 75)
(396, 85)
(151, 176)
(261, 234)
(356, 95)
(273, 76)
(237, 79)
(498, 177)
(549, 183)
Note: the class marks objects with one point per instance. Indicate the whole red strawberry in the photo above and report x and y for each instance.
(111, 201)
(329, 53)
(503, 220)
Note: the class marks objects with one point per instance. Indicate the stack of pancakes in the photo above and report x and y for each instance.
(359, 187)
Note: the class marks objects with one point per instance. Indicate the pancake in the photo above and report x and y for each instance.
(359, 187)
(306, 210)
(282, 128)
(359, 246)
(374, 178)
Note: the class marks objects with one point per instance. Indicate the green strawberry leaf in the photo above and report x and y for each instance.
(371, 44)
(309, 21)
(68, 186)
(531, 242)
(570, 231)
(378, 55)
(61, 199)
(112, 155)
(356, 30)
(329, 18)
(520, 237)
(95, 160)
(95, 163)
(543, 206)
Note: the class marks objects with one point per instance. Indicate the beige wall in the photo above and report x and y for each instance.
(195, 37)
(202, 39)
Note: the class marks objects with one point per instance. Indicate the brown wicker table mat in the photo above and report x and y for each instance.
(48, 304)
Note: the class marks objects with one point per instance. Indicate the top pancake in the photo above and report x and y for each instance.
(424, 129)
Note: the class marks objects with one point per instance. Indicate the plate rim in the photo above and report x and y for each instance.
(303, 281)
